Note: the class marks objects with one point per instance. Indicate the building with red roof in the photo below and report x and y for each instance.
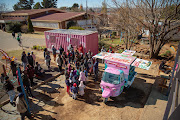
(48, 19)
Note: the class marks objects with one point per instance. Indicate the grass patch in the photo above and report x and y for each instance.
(16, 54)
(115, 42)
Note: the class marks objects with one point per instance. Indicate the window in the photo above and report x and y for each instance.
(111, 78)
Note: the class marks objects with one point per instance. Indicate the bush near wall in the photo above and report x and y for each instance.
(13, 26)
(76, 28)
(114, 33)
(24, 29)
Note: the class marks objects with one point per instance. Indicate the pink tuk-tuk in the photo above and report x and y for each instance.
(119, 73)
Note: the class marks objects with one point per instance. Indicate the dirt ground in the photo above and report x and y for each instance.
(128, 106)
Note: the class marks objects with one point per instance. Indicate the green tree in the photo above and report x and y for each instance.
(30, 26)
(70, 23)
(13, 27)
(75, 7)
(49, 4)
(23, 5)
(37, 6)
(63, 8)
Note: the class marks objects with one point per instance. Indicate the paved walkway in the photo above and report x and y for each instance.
(40, 106)
(7, 43)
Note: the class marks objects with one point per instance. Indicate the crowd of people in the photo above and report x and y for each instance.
(77, 65)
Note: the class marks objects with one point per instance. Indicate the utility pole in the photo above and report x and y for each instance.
(86, 13)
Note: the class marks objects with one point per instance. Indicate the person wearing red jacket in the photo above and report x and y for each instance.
(80, 49)
(30, 72)
(110, 50)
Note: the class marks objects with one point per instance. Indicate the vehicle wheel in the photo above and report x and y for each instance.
(105, 100)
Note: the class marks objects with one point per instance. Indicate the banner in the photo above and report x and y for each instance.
(140, 63)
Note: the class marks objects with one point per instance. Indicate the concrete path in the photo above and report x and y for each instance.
(7, 43)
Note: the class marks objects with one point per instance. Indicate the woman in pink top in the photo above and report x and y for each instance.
(82, 77)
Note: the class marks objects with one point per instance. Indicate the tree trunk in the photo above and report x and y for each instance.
(151, 47)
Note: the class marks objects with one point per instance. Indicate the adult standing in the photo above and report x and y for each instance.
(54, 52)
(13, 68)
(30, 72)
(22, 107)
(26, 83)
(13, 34)
(24, 59)
(95, 69)
(59, 62)
(48, 60)
(34, 58)
(70, 47)
(80, 49)
(61, 50)
(9, 87)
(30, 60)
(45, 52)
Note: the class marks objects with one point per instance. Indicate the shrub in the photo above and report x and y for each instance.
(106, 46)
(113, 36)
(120, 51)
(168, 53)
(71, 23)
(114, 33)
(13, 26)
(76, 28)
(35, 47)
(24, 29)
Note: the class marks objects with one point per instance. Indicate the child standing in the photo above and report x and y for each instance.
(74, 91)
(82, 76)
(67, 85)
(81, 88)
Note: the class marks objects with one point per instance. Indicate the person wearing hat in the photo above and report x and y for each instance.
(22, 107)
(9, 87)
(81, 88)
(34, 58)
(74, 91)
(30, 59)
(110, 50)
(54, 52)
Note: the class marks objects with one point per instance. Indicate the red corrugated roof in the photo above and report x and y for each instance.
(32, 11)
(13, 18)
(59, 16)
